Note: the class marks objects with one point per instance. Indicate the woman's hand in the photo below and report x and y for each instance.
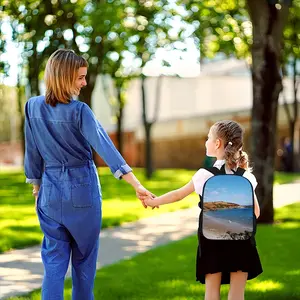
(143, 193)
(35, 193)
(36, 198)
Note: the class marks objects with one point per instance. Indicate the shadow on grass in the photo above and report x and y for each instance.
(19, 229)
(116, 221)
(168, 272)
(285, 220)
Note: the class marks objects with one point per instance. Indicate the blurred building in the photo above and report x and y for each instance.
(188, 107)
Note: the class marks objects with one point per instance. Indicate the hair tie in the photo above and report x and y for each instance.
(229, 143)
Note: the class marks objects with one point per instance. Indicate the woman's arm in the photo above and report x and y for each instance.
(141, 192)
(33, 162)
(132, 180)
(256, 207)
(100, 141)
(98, 138)
(172, 196)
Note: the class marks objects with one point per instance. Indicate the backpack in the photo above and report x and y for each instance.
(227, 205)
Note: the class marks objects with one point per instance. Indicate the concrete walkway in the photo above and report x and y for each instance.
(21, 271)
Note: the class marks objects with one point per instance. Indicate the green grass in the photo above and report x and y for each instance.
(282, 178)
(19, 225)
(168, 272)
(17, 213)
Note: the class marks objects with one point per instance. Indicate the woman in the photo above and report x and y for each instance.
(59, 135)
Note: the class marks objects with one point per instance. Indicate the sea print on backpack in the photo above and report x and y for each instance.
(228, 208)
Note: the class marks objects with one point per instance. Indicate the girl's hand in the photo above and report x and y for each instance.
(149, 201)
(143, 193)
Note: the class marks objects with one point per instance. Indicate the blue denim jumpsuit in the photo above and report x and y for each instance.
(58, 157)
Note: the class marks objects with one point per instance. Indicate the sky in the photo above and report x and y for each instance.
(229, 188)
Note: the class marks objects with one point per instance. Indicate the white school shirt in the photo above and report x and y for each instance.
(202, 175)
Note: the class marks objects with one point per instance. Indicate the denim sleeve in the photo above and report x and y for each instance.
(97, 137)
(33, 162)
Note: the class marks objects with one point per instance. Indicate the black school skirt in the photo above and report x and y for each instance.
(225, 256)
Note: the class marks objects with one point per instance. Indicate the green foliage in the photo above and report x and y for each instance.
(4, 67)
(225, 26)
(104, 32)
(221, 26)
(291, 50)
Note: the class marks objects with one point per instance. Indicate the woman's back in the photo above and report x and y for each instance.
(56, 131)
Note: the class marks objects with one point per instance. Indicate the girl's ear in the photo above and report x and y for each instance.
(218, 143)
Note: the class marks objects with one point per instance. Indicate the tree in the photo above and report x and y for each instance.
(115, 70)
(4, 67)
(42, 27)
(150, 24)
(224, 26)
(220, 26)
(103, 32)
(268, 21)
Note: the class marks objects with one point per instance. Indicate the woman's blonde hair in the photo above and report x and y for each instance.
(231, 133)
(60, 75)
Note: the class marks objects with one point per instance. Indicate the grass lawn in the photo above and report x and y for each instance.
(19, 225)
(168, 272)
(282, 178)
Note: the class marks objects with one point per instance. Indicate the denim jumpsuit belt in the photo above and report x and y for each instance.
(69, 211)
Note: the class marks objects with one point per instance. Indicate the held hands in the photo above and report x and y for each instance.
(144, 194)
(149, 201)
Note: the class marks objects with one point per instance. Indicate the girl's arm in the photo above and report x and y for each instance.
(172, 196)
(256, 207)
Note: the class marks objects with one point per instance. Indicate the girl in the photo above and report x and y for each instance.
(59, 135)
(221, 261)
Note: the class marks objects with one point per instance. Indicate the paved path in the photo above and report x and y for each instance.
(21, 271)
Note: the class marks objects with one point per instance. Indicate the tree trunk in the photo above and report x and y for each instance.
(148, 153)
(147, 127)
(296, 113)
(120, 120)
(20, 109)
(268, 27)
(33, 74)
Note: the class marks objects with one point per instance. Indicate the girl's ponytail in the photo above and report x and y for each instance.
(236, 158)
(230, 156)
(243, 160)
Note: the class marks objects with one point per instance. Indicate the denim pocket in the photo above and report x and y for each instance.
(81, 195)
(45, 195)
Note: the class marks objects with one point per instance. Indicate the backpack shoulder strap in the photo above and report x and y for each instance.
(213, 170)
(222, 170)
(240, 171)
